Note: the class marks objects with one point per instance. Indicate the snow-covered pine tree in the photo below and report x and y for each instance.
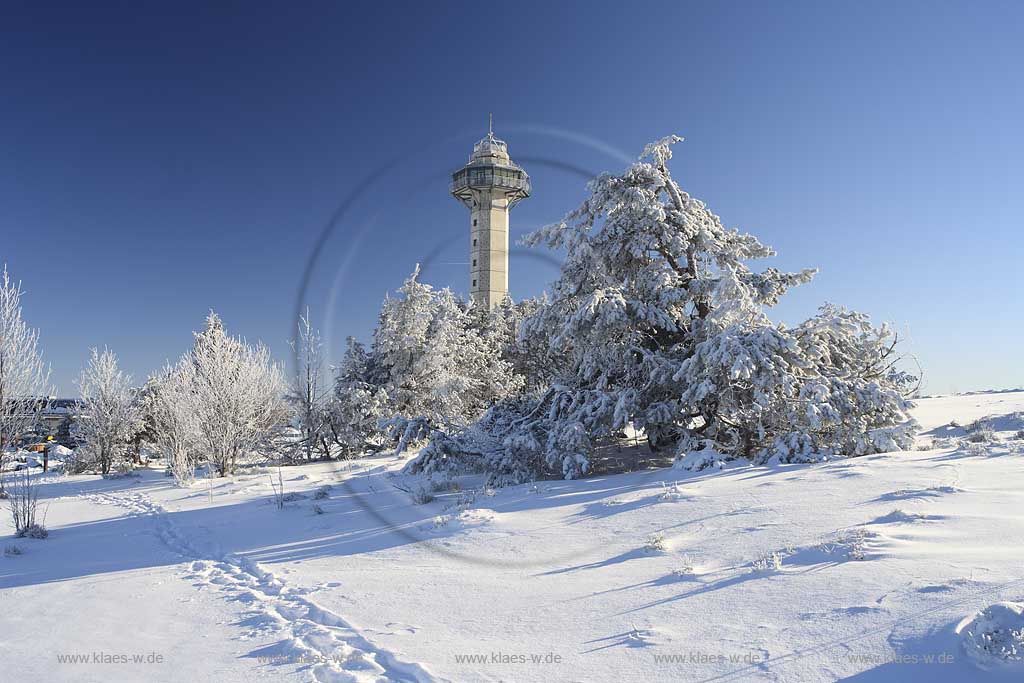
(462, 364)
(109, 415)
(360, 402)
(436, 363)
(532, 355)
(658, 321)
(400, 342)
(438, 358)
(24, 379)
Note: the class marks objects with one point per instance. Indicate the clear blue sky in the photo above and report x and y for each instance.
(160, 159)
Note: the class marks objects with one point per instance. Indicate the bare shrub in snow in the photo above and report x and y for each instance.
(11, 550)
(979, 431)
(317, 510)
(34, 531)
(769, 562)
(419, 494)
(685, 568)
(323, 492)
(277, 486)
(109, 415)
(444, 484)
(656, 543)
(23, 376)
(852, 543)
(23, 501)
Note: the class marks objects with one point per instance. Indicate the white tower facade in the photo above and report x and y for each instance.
(489, 185)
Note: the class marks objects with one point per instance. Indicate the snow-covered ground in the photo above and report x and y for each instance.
(868, 569)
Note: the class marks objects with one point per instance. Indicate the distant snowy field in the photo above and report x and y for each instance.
(867, 569)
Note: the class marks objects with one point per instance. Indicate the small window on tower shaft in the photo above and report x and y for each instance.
(474, 243)
(474, 283)
(474, 262)
(474, 222)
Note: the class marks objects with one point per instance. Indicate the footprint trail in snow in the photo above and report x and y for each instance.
(334, 650)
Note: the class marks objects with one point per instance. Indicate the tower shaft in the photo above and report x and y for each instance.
(488, 248)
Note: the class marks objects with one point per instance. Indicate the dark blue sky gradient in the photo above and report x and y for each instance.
(161, 159)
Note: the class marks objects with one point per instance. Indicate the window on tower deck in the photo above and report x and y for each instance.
(474, 222)
(474, 262)
(474, 243)
(474, 283)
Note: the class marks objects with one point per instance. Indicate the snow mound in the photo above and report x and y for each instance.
(695, 461)
(994, 637)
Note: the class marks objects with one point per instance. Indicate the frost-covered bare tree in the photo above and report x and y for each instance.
(310, 393)
(237, 395)
(170, 408)
(24, 379)
(109, 415)
(658, 322)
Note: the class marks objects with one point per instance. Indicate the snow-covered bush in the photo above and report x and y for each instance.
(657, 322)
(108, 417)
(11, 550)
(37, 530)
